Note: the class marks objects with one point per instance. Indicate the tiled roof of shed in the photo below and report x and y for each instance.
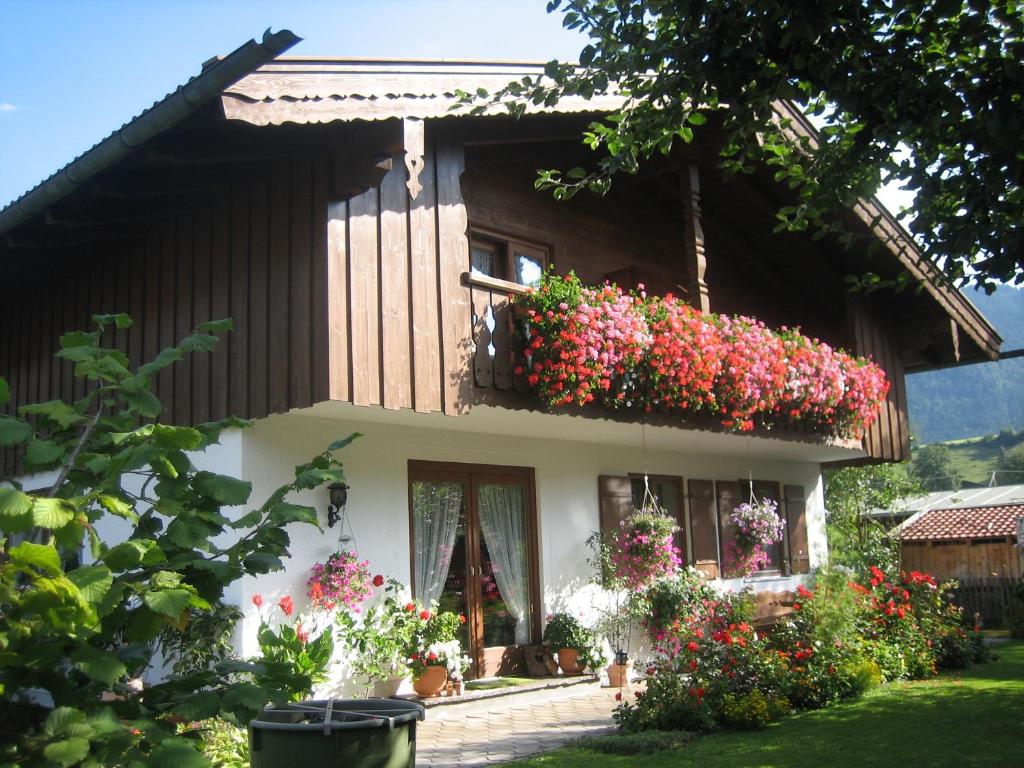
(963, 523)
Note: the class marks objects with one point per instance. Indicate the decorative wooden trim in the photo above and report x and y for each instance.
(693, 237)
(412, 139)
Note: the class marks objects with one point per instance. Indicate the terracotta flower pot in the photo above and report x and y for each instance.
(618, 675)
(431, 682)
(568, 660)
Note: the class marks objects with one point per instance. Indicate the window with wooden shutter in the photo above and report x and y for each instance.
(616, 502)
(704, 526)
(769, 489)
(795, 506)
(495, 255)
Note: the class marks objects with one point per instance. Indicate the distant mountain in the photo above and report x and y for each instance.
(976, 399)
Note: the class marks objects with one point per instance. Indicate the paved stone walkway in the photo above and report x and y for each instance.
(492, 731)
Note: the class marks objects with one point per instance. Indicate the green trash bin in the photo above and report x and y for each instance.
(336, 733)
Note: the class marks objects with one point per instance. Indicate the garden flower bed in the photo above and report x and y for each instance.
(598, 345)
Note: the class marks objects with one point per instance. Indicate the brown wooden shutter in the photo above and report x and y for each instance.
(729, 496)
(616, 502)
(704, 526)
(796, 528)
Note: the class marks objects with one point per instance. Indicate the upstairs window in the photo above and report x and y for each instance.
(517, 261)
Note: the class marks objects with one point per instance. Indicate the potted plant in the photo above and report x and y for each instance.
(290, 649)
(377, 637)
(433, 648)
(575, 645)
(615, 624)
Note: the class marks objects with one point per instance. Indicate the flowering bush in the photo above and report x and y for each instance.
(757, 525)
(378, 637)
(433, 640)
(648, 353)
(643, 551)
(289, 648)
(343, 579)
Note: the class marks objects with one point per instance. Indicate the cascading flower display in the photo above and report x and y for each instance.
(638, 352)
(756, 525)
(643, 550)
(343, 579)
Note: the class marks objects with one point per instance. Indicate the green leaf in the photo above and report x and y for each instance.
(101, 666)
(285, 512)
(62, 718)
(15, 510)
(314, 478)
(118, 507)
(120, 320)
(93, 581)
(14, 431)
(199, 342)
(176, 753)
(77, 339)
(57, 411)
(221, 488)
(51, 513)
(246, 695)
(182, 438)
(337, 445)
(165, 358)
(143, 401)
(5, 392)
(696, 118)
(248, 520)
(131, 554)
(42, 453)
(217, 326)
(169, 602)
(199, 707)
(41, 556)
(68, 751)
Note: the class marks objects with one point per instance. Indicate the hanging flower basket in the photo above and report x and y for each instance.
(342, 580)
(643, 551)
(758, 526)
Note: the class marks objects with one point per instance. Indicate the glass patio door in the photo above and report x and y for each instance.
(473, 551)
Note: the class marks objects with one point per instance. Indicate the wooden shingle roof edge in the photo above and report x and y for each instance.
(174, 107)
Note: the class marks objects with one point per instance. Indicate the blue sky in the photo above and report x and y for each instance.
(71, 71)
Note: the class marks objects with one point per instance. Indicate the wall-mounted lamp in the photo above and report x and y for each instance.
(339, 498)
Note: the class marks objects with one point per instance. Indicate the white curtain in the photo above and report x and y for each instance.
(437, 508)
(503, 522)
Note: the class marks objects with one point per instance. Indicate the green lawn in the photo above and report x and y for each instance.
(970, 718)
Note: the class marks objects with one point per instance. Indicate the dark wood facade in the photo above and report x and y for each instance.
(344, 286)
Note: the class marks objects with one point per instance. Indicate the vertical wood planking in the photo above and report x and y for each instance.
(453, 242)
(364, 309)
(259, 296)
(394, 290)
(184, 243)
(300, 389)
(168, 271)
(795, 509)
(279, 281)
(426, 332)
(137, 300)
(337, 301)
(200, 395)
(241, 275)
(483, 367)
(151, 314)
(318, 302)
(220, 305)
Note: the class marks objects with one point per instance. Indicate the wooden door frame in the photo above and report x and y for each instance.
(450, 471)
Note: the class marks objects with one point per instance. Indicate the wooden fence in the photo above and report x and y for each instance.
(988, 597)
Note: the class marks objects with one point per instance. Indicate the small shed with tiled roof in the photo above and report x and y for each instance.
(964, 542)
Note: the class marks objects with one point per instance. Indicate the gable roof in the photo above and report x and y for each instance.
(188, 98)
(963, 523)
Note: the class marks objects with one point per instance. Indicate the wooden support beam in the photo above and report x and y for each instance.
(693, 237)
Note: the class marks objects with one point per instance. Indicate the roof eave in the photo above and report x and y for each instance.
(170, 110)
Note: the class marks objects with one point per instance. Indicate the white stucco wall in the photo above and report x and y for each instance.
(566, 485)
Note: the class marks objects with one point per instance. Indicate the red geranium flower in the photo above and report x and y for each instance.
(257, 600)
(378, 580)
(410, 607)
(425, 615)
(286, 605)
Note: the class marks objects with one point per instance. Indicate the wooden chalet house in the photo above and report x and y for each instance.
(365, 240)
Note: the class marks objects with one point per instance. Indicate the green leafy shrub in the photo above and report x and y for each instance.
(225, 745)
(753, 710)
(669, 703)
(75, 634)
(206, 641)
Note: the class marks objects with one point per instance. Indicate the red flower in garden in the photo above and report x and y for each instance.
(462, 619)
(618, 696)
(410, 607)
(257, 600)
(425, 615)
(286, 605)
(804, 592)
(431, 656)
(378, 580)
(693, 665)
(301, 634)
(692, 647)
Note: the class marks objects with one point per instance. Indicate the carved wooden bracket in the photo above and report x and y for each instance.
(693, 234)
(412, 135)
